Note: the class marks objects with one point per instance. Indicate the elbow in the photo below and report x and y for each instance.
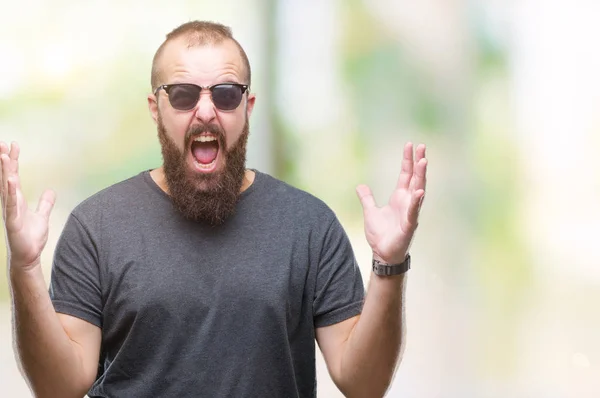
(366, 393)
(54, 390)
(361, 388)
(53, 393)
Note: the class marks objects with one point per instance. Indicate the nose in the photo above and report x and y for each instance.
(205, 109)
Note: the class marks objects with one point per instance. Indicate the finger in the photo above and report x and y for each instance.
(14, 156)
(10, 208)
(46, 203)
(419, 180)
(10, 166)
(415, 206)
(407, 167)
(420, 152)
(3, 150)
(4, 162)
(366, 197)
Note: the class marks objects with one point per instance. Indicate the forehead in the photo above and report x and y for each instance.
(201, 64)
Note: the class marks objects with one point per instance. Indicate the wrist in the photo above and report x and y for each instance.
(387, 269)
(24, 280)
(394, 259)
(16, 267)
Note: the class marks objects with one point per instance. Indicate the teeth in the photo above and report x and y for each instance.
(205, 138)
(205, 166)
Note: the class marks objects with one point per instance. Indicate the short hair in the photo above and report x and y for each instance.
(198, 33)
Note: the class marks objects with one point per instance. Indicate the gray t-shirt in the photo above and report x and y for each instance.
(189, 310)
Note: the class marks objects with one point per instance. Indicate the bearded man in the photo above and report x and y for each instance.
(202, 278)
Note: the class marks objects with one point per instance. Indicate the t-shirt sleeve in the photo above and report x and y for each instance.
(75, 279)
(340, 291)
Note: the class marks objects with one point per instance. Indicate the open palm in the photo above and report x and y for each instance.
(26, 230)
(389, 229)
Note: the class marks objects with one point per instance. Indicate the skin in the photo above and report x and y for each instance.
(58, 354)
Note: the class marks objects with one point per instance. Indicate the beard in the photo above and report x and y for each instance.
(206, 198)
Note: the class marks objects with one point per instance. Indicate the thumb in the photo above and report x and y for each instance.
(46, 203)
(366, 197)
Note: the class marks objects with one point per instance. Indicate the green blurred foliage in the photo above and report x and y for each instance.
(502, 263)
(389, 86)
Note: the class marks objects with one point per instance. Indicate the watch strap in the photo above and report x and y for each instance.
(383, 269)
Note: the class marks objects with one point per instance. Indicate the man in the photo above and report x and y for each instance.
(202, 278)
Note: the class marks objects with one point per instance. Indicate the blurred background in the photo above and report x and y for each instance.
(503, 296)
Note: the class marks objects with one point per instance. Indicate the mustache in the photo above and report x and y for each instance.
(198, 129)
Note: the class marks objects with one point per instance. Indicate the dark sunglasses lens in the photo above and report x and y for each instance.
(227, 96)
(184, 96)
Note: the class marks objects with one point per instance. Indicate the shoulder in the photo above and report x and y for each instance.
(275, 192)
(273, 188)
(121, 195)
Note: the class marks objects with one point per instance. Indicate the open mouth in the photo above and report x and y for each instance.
(205, 150)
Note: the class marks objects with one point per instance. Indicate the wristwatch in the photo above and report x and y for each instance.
(383, 269)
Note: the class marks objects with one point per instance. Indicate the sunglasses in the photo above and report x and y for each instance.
(185, 96)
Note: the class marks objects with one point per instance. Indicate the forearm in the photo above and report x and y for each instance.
(47, 357)
(374, 347)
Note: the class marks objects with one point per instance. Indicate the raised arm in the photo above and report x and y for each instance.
(362, 353)
(57, 354)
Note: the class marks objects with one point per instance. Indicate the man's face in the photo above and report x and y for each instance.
(203, 148)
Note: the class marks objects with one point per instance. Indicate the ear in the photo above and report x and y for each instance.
(153, 107)
(250, 104)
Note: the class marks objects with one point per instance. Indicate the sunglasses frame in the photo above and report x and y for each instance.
(167, 87)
